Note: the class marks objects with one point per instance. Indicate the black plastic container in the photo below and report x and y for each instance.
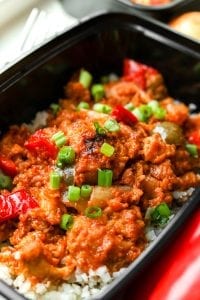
(100, 44)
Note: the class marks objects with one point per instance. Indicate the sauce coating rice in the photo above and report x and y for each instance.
(79, 189)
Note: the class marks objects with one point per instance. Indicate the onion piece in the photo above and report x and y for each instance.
(69, 174)
(100, 195)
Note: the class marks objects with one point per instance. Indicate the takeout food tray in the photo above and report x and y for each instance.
(100, 44)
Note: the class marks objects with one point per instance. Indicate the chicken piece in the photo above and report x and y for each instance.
(86, 143)
(156, 150)
(115, 198)
(33, 172)
(189, 179)
(36, 259)
(123, 92)
(134, 175)
(50, 202)
(16, 136)
(35, 221)
(155, 87)
(77, 92)
(115, 241)
(176, 112)
(165, 174)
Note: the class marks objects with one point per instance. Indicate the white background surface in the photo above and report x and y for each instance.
(18, 34)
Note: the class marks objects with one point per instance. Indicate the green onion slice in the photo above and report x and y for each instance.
(112, 125)
(160, 113)
(59, 138)
(97, 91)
(83, 105)
(74, 193)
(55, 180)
(85, 78)
(102, 108)
(99, 130)
(143, 113)
(5, 182)
(66, 221)
(86, 191)
(129, 106)
(93, 212)
(55, 108)
(66, 155)
(105, 177)
(192, 149)
(154, 105)
(160, 214)
(107, 149)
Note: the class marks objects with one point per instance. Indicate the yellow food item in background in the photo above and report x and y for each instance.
(188, 24)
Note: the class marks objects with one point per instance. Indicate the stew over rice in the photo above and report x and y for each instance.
(80, 191)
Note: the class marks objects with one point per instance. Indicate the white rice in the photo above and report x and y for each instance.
(39, 121)
(182, 196)
(192, 107)
(80, 286)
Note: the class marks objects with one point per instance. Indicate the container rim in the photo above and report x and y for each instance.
(156, 8)
(150, 27)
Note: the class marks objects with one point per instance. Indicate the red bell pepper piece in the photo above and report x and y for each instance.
(38, 143)
(194, 138)
(176, 274)
(122, 114)
(134, 71)
(14, 204)
(8, 166)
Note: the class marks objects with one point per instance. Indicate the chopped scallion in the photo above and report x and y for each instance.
(154, 105)
(66, 155)
(105, 177)
(112, 125)
(83, 105)
(129, 106)
(85, 78)
(160, 113)
(93, 212)
(55, 108)
(143, 113)
(66, 221)
(97, 91)
(160, 214)
(102, 108)
(99, 130)
(5, 182)
(55, 180)
(74, 193)
(86, 190)
(192, 149)
(59, 138)
(107, 149)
